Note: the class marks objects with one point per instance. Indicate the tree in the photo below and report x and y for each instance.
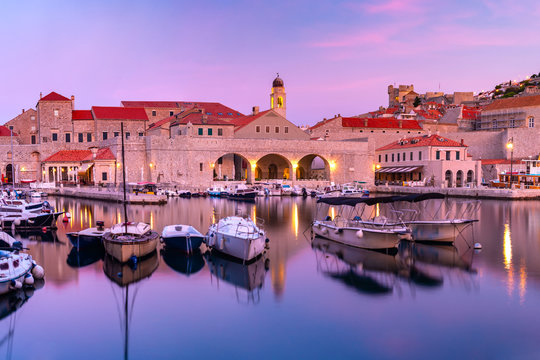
(417, 101)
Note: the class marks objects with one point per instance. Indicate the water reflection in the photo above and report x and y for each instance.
(247, 279)
(85, 256)
(376, 272)
(179, 261)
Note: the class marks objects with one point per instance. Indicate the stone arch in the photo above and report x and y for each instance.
(274, 166)
(459, 178)
(231, 166)
(448, 178)
(9, 173)
(470, 176)
(258, 173)
(315, 167)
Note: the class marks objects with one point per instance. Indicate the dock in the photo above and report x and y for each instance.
(108, 195)
(464, 192)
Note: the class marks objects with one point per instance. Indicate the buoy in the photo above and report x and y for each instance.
(267, 240)
(477, 246)
(28, 279)
(65, 219)
(360, 234)
(38, 272)
(17, 222)
(15, 284)
(44, 229)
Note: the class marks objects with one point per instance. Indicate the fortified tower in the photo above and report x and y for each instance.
(278, 97)
(54, 117)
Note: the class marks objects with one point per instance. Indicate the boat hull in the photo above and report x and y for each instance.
(36, 222)
(366, 238)
(238, 247)
(184, 243)
(123, 251)
(438, 231)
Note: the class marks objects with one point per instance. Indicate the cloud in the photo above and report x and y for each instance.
(390, 7)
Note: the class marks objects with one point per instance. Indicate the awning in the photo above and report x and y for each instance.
(399, 169)
(84, 167)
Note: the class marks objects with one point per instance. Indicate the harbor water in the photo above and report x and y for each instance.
(303, 299)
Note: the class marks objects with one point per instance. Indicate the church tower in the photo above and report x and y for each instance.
(278, 98)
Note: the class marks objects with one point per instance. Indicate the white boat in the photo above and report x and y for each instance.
(24, 215)
(286, 190)
(217, 191)
(354, 231)
(182, 237)
(353, 189)
(88, 237)
(128, 240)
(238, 237)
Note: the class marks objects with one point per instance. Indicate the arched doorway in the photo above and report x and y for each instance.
(9, 174)
(470, 176)
(231, 166)
(448, 178)
(300, 172)
(459, 178)
(274, 166)
(315, 167)
(258, 173)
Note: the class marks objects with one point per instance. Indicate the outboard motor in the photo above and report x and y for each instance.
(304, 192)
(100, 225)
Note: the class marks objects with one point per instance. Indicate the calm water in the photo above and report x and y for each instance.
(317, 300)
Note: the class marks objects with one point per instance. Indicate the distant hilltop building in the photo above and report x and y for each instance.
(405, 96)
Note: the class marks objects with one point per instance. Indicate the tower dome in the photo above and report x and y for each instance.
(278, 82)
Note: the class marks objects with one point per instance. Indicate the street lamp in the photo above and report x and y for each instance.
(510, 146)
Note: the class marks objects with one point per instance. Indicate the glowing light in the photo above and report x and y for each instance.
(118, 165)
(509, 146)
(522, 283)
(507, 247)
(23, 169)
(253, 165)
(294, 165)
(254, 214)
(151, 220)
(378, 166)
(295, 219)
(377, 210)
(332, 165)
(332, 213)
(151, 165)
(212, 165)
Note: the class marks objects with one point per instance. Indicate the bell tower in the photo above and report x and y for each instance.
(278, 97)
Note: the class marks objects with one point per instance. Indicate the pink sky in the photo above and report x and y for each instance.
(335, 57)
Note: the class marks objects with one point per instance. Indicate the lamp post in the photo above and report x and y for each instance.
(510, 146)
(12, 165)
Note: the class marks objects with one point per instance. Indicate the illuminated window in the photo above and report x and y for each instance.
(280, 102)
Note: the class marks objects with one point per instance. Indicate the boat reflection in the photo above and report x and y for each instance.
(85, 256)
(182, 262)
(375, 272)
(249, 277)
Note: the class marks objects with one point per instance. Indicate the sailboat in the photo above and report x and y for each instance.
(129, 240)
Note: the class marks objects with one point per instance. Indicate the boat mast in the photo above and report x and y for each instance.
(126, 329)
(124, 175)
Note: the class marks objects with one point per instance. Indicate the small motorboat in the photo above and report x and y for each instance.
(88, 237)
(238, 237)
(130, 241)
(17, 270)
(182, 237)
(242, 192)
(35, 195)
(217, 191)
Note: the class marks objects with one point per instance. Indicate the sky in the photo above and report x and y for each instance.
(335, 57)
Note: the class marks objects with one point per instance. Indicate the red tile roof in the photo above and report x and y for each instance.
(321, 123)
(243, 121)
(514, 102)
(80, 155)
(54, 97)
(429, 114)
(202, 119)
(499, 161)
(381, 123)
(118, 113)
(4, 131)
(420, 141)
(82, 115)
(210, 108)
(470, 113)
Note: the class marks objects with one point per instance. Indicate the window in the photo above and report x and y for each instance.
(44, 139)
(404, 157)
(398, 157)
(89, 137)
(33, 139)
(230, 114)
(200, 131)
(267, 129)
(277, 129)
(220, 132)
(141, 134)
(81, 137)
(385, 157)
(54, 137)
(286, 131)
(104, 176)
(419, 155)
(411, 156)
(457, 155)
(11, 127)
(392, 157)
(68, 137)
(55, 112)
(32, 118)
(437, 155)
(171, 113)
(154, 112)
(200, 166)
(380, 157)
(105, 135)
(116, 134)
(257, 129)
(531, 122)
(448, 155)
(128, 134)
(209, 131)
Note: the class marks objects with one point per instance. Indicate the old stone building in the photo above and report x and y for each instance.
(423, 160)
(25, 126)
(515, 112)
